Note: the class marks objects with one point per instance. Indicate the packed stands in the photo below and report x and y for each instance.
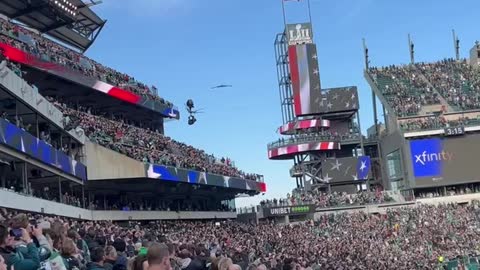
(422, 237)
(435, 122)
(457, 81)
(146, 145)
(50, 51)
(320, 136)
(404, 89)
(408, 88)
(329, 200)
(455, 85)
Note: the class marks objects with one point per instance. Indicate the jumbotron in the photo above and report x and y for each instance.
(90, 181)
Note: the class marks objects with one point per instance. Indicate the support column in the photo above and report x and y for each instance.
(3, 175)
(360, 132)
(90, 199)
(83, 196)
(37, 128)
(60, 189)
(25, 178)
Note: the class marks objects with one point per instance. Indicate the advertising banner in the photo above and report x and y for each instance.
(167, 173)
(292, 210)
(445, 161)
(14, 54)
(22, 141)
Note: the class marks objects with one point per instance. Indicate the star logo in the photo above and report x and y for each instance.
(347, 104)
(355, 177)
(314, 57)
(363, 166)
(327, 179)
(353, 96)
(329, 105)
(336, 165)
(335, 96)
(316, 72)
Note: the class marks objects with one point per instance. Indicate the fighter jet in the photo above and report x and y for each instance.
(221, 86)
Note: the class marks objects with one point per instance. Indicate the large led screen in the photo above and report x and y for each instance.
(445, 161)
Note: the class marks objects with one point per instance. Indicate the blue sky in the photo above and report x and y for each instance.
(186, 46)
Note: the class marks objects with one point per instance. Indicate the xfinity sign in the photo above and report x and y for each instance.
(428, 157)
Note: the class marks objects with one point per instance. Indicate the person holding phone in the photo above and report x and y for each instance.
(28, 260)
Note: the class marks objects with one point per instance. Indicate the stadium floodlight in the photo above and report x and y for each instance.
(65, 6)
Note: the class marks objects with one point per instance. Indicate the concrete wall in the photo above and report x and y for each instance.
(371, 209)
(9, 199)
(103, 163)
(155, 215)
(29, 95)
(466, 198)
(12, 200)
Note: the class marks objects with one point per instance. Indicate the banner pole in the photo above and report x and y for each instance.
(284, 15)
(310, 16)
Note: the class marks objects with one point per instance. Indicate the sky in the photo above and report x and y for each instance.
(184, 47)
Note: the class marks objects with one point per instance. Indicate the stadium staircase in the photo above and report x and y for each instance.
(443, 102)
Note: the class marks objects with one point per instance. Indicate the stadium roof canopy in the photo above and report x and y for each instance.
(79, 31)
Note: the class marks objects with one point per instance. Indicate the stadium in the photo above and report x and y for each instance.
(91, 180)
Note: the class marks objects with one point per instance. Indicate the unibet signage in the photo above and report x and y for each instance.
(288, 210)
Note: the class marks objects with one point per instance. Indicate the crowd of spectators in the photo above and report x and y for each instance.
(404, 88)
(449, 191)
(457, 81)
(333, 199)
(407, 88)
(325, 135)
(146, 145)
(48, 50)
(434, 122)
(421, 237)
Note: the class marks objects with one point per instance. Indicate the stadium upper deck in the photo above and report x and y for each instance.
(39, 52)
(124, 159)
(428, 96)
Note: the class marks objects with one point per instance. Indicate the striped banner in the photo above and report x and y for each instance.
(303, 124)
(305, 78)
(287, 152)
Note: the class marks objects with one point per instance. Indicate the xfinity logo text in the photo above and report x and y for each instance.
(428, 157)
(425, 157)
